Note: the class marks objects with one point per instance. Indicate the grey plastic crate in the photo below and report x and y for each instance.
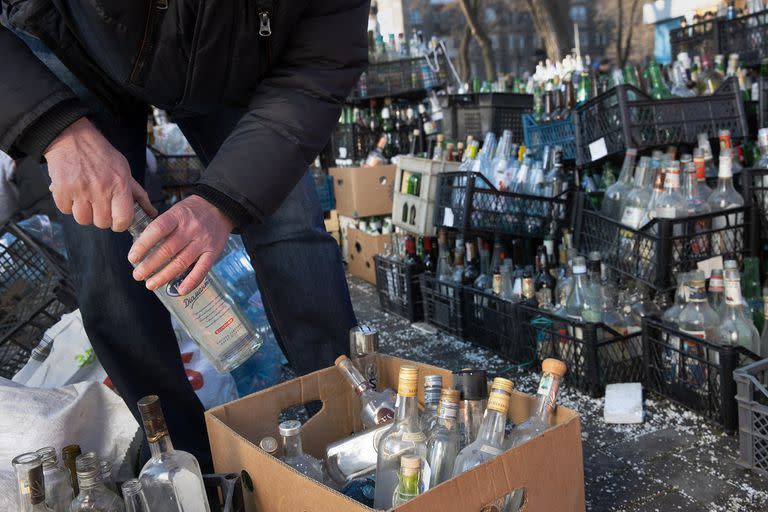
(752, 399)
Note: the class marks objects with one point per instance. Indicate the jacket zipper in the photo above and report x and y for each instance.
(154, 17)
(265, 31)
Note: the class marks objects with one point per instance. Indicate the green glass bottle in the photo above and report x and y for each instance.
(414, 184)
(659, 89)
(631, 76)
(585, 87)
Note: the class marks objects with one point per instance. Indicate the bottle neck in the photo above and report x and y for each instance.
(625, 176)
(292, 447)
(407, 413)
(354, 377)
(691, 186)
(492, 428)
(546, 396)
(161, 446)
(91, 480)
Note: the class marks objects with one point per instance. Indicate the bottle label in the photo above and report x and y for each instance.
(490, 450)
(672, 179)
(732, 292)
(664, 212)
(632, 216)
(383, 414)
(497, 284)
(498, 402)
(696, 294)
(696, 334)
(208, 317)
(406, 388)
(414, 437)
(449, 410)
(548, 390)
(528, 290)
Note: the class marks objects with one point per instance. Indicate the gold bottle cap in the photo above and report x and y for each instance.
(555, 366)
(408, 381)
(505, 385)
(152, 418)
(498, 401)
(453, 395)
(340, 360)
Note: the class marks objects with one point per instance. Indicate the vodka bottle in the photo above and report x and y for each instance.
(501, 162)
(672, 314)
(58, 489)
(582, 305)
(134, 497)
(697, 317)
(444, 268)
(724, 197)
(706, 150)
(409, 480)
(293, 452)
(473, 388)
(31, 486)
(763, 352)
(680, 82)
(717, 293)
(443, 439)
(563, 287)
(736, 328)
(724, 137)
(701, 173)
(69, 455)
(94, 496)
(552, 372)
(377, 408)
(433, 385)
(171, 478)
(405, 437)
(762, 163)
(696, 204)
(616, 194)
(484, 281)
(658, 190)
(490, 438)
(670, 204)
(544, 283)
(363, 341)
(208, 313)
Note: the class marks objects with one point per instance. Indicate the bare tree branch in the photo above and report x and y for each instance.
(464, 54)
(480, 36)
(628, 43)
(552, 23)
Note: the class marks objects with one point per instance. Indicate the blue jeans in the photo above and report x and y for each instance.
(298, 267)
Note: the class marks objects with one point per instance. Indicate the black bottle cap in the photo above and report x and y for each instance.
(472, 384)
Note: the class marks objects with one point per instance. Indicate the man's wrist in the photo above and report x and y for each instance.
(233, 210)
(38, 137)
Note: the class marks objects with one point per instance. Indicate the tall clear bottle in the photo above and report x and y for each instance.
(696, 204)
(377, 408)
(433, 385)
(30, 482)
(724, 197)
(616, 194)
(134, 497)
(443, 439)
(717, 293)
(208, 313)
(405, 437)
(473, 388)
(706, 150)
(736, 328)
(670, 204)
(94, 495)
(582, 304)
(58, 489)
(701, 173)
(293, 451)
(171, 478)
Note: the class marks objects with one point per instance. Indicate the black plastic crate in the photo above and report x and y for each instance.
(350, 141)
(655, 253)
(697, 39)
(553, 133)
(492, 324)
(596, 355)
(225, 492)
(469, 202)
(755, 188)
(695, 373)
(443, 304)
(399, 288)
(34, 293)
(752, 401)
(627, 117)
(479, 113)
(400, 77)
(762, 112)
(745, 35)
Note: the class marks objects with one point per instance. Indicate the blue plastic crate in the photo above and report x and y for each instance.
(554, 133)
(324, 186)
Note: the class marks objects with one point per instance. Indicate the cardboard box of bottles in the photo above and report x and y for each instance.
(549, 467)
(361, 248)
(363, 191)
(414, 214)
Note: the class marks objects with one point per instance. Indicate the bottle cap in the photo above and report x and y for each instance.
(152, 417)
(454, 395)
(268, 444)
(433, 381)
(340, 360)
(408, 381)
(47, 456)
(131, 487)
(70, 451)
(579, 265)
(289, 428)
(554, 366)
(502, 384)
(410, 464)
(472, 384)
(363, 340)
(87, 465)
(498, 401)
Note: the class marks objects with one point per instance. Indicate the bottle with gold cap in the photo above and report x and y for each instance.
(171, 478)
(409, 480)
(94, 495)
(443, 439)
(490, 439)
(405, 437)
(552, 372)
(377, 408)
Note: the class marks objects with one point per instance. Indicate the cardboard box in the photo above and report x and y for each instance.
(549, 467)
(361, 248)
(363, 191)
(332, 221)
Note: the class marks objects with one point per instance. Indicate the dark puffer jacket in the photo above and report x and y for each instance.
(290, 62)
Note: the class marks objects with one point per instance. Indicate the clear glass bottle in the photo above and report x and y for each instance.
(58, 488)
(680, 82)
(672, 314)
(490, 439)
(701, 173)
(709, 79)
(69, 455)
(171, 478)
(762, 145)
(563, 287)
(409, 480)
(724, 197)
(582, 304)
(433, 385)
(134, 497)
(670, 204)
(616, 194)
(736, 328)
(405, 437)
(498, 168)
(94, 496)
(443, 439)
(717, 293)
(697, 317)
(552, 372)
(30, 482)
(473, 388)
(484, 281)
(107, 477)
(377, 408)
(226, 337)
(706, 150)
(293, 452)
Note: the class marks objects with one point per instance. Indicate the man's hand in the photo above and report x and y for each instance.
(193, 232)
(91, 180)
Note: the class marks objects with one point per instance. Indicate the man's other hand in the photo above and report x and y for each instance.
(191, 235)
(91, 180)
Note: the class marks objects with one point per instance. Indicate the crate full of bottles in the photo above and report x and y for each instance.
(505, 190)
(398, 277)
(626, 117)
(416, 189)
(746, 35)
(476, 114)
(550, 132)
(398, 450)
(655, 225)
(443, 304)
(695, 38)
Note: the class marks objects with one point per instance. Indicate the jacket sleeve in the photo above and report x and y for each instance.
(35, 106)
(291, 114)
